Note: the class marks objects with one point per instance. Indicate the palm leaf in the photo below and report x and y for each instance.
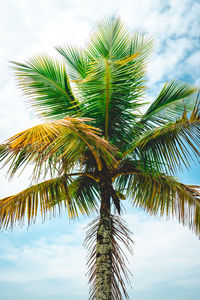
(172, 144)
(109, 74)
(109, 39)
(163, 195)
(114, 81)
(160, 194)
(174, 98)
(45, 81)
(76, 61)
(47, 197)
(67, 139)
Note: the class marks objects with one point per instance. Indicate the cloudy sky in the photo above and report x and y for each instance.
(48, 260)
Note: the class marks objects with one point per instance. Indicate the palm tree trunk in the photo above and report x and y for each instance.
(104, 244)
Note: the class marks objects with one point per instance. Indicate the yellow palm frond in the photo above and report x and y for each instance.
(45, 197)
(163, 195)
(66, 139)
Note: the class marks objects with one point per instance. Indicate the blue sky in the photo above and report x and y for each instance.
(48, 260)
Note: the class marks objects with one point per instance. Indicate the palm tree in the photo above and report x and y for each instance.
(96, 147)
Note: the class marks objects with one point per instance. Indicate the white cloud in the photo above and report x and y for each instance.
(45, 260)
(55, 261)
(165, 252)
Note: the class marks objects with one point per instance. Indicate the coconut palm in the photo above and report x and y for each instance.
(96, 148)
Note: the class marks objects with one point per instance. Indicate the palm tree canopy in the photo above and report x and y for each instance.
(91, 104)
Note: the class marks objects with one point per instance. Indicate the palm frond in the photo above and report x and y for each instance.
(45, 81)
(76, 61)
(166, 196)
(109, 74)
(171, 145)
(114, 78)
(120, 235)
(109, 39)
(85, 190)
(49, 196)
(67, 139)
(160, 194)
(174, 98)
(143, 44)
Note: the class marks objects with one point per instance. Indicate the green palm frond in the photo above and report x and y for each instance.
(143, 44)
(172, 145)
(67, 139)
(111, 93)
(109, 39)
(174, 98)
(109, 75)
(86, 191)
(45, 81)
(123, 174)
(75, 61)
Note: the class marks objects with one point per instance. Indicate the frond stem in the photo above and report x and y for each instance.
(107, 98)
(96, 178)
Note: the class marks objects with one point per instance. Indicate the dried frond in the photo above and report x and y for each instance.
(47, 197)
(163, 195)
(66, 139)
(120, 234)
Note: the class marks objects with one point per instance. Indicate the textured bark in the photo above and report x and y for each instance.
(104, 243)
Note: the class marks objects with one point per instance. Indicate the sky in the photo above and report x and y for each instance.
(47, 261)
